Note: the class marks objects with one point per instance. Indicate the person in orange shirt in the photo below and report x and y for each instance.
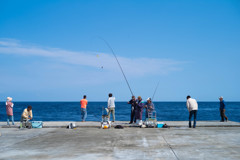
(84, 103)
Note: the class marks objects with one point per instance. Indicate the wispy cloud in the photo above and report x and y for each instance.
(132, 66)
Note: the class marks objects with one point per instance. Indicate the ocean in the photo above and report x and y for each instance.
(166, 111)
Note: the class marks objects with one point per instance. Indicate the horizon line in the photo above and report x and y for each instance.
(117, 101)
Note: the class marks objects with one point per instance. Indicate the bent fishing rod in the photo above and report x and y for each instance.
(118, 63)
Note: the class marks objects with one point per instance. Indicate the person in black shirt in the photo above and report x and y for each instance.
(222, 109)
(133, 109)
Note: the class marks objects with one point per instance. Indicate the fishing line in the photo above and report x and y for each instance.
(155, 90)
(118, 63)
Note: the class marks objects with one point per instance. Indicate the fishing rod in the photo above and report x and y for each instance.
(155, 90)
(118, 63)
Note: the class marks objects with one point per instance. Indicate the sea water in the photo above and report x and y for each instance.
(166, 111)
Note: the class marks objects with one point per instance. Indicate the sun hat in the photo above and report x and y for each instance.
(149, 99)
(9, 98)
(221, 97)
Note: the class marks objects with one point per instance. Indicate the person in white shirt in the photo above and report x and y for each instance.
(111, 106)
(192, 107)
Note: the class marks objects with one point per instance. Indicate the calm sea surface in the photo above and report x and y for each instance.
(166, 111)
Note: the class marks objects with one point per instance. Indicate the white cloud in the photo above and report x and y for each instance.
(8, 42)
(132, 66)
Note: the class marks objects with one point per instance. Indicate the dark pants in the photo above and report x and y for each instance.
(222, 114)
(133, 117)
(194, 113)
(138, 114)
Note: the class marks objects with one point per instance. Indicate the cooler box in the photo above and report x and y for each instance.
(37, 124)
(160, 125)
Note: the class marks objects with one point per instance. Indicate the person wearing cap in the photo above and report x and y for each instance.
(192, 107)
(139, 108)
(222, 109)
(84, 103)
(111, 106)
(9, 110)
(149, 107)
(133, 110)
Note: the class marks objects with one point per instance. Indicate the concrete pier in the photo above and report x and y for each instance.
(94, 124)
(210, 140)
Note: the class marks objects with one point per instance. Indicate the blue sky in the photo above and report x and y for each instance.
(49, 50)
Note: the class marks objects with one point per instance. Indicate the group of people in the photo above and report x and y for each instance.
(26, 114)
(192, 107)
(137, 108)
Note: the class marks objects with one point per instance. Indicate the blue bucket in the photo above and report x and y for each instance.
(160, 125)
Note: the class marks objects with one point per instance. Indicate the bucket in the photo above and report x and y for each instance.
(160, 124)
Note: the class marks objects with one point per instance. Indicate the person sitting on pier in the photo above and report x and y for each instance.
(27, 114)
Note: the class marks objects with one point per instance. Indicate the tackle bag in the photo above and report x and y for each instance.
(37, 124)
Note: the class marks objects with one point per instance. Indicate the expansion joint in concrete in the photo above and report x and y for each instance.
(171, 148)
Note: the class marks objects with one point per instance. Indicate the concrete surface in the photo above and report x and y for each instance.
(129, 143)
(91, 124)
